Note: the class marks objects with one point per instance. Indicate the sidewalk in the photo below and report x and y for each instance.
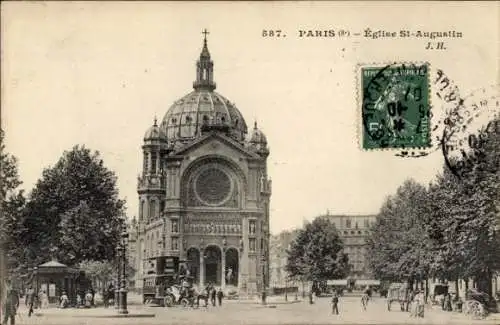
(98, 312)
(271, 300)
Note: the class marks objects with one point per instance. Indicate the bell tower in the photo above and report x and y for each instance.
(151, 187)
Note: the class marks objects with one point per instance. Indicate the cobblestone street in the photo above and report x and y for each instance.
(234, 312)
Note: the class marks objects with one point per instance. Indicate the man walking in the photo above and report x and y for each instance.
(220, 294)
(10, 307)
(213, 294)
(30, 300)
(335, 303)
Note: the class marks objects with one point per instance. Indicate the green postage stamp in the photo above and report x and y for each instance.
(395, 102)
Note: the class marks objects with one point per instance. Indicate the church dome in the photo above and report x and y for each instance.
(155, 133)
(186, 117)
(258, 137)
(203, 108)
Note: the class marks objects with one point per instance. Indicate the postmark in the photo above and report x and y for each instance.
(465, 126)
(395, 106)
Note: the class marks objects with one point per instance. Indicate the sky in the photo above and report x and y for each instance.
(97, 73)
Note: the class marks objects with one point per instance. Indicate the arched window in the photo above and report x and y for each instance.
(152, 209)
(144, 211)
(162, 206)
(152, 243)
(145, 162)
(141, 210)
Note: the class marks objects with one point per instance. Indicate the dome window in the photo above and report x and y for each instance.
(205, 119)
(174, 120)
(188, 119)
(223, 119)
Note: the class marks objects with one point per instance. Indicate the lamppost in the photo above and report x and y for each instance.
(122, 309)
(119, 250)
(35, 275)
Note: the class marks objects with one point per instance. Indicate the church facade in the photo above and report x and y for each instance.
(204, 190)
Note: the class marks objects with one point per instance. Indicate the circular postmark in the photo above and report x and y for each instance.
(395, 106)
(465, 128)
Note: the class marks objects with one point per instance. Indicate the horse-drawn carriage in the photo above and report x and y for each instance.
(186, 296)
(398, 292)
(479, 304)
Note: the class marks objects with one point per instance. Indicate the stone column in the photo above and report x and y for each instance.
(158, 166)
(223, 269)
(150, 164)
(202, 269)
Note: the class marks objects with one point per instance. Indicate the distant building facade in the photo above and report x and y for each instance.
(278, 250)
(353, 231)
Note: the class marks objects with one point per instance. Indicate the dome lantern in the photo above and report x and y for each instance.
(204, 69)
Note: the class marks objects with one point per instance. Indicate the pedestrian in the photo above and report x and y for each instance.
(64, 300)
(30, 300)
(213, 294)
(420, 302)
(11, 305)
(335, 303)
(44, 299)
(220, 294)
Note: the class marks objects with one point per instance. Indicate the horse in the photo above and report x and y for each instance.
(364, 300)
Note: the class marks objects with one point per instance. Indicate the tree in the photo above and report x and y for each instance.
(100, 272)
(74, 212)
(11, 205)
(399, 247)
(471, 205)
(316, 254)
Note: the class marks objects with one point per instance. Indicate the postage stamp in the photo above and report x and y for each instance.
(395, 101)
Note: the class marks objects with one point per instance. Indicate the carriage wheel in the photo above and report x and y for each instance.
(184, 302)
(476, 309)
(168, 301)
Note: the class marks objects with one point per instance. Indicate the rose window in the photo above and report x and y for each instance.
(213, 186)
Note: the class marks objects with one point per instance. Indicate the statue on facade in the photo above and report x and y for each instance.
(252, 227)
(229, 275)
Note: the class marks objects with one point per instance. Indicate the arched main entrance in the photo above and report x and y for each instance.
(193, 263)
(212, 260)
(232, 263)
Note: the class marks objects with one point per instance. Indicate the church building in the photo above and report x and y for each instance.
(204, 190)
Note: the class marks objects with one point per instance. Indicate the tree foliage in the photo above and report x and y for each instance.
(448, 231)
(12, 205)
(398, 245)
(317, 253)
(74, 213)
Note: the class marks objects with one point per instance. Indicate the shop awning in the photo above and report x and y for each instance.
(368, 282)
(336, 282)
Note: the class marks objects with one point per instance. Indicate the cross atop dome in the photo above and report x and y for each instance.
(204, 52)
(205, 32)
